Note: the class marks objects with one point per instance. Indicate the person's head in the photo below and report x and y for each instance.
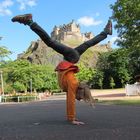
(83, 93)
(137, 78)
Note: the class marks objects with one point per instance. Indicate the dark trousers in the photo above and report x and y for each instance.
(70, 54)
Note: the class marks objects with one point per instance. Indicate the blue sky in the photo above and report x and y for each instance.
(92, 15)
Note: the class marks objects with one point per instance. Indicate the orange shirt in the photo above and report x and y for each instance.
(66, 74)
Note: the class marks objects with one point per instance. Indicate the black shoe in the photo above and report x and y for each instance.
(25, 19)
(108, 28)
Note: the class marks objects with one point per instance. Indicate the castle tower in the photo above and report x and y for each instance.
(74, 27)
(89, 35)
(55, 33)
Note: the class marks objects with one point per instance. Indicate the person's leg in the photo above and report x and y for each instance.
(107, 31)
(84, 46)
(69, 54)
(72, 85)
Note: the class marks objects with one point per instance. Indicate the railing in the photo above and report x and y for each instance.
(18, 98)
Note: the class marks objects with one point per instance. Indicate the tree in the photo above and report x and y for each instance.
(112, 84)
(19, 86)
(85, 73)
(4, 53)
(21, 72)
(134, 62)
(114, 64)
(126, 13)
(97, 80)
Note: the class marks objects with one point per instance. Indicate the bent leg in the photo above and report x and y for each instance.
(83, 47)
(69, 54)
(60, 48)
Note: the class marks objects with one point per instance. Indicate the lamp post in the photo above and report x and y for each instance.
(2, 87)
(31, 86)
(1, 77)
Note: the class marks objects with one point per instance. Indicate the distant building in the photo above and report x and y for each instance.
(69, 31)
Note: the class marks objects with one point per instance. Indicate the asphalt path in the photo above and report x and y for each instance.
(45, 120)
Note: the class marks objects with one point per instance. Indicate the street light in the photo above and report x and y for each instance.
(31, 86)
(2, 87)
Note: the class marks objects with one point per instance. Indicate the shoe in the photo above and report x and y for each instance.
(25, 19)
(108, 28)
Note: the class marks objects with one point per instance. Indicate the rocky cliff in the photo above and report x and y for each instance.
(39, 53)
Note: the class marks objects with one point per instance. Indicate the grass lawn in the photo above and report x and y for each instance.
(107, 91)
(125, 100)
(120, 102)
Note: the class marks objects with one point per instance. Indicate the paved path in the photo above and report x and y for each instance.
(45, 120)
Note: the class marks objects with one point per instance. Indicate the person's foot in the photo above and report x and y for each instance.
(25, 19)
(77, 122)
(108, 28)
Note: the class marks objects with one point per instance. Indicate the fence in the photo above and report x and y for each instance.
(133, 89)
(18, 98)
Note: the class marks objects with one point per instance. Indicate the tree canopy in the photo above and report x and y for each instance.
(126, 13)
(4, 53)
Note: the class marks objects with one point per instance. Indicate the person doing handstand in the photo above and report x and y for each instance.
(66, 69)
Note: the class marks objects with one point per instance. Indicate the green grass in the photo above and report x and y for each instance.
(72, 42)
(120, 102)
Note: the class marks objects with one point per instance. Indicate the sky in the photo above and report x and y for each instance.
(91, 15)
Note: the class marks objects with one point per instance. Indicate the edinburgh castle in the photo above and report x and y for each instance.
(70, 31)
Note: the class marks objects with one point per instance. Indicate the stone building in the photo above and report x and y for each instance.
(69, 31)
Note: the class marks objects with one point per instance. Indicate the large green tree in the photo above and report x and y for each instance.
(126, 13)
(134, 62)
(21, 74)
(85, 74)
(114, 64)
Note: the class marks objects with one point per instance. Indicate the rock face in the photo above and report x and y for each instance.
(39, 53)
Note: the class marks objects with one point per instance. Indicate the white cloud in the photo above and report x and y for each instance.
(6, 3)
(25, 3)
(114, 38)
(4, 7)
(88, 21)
